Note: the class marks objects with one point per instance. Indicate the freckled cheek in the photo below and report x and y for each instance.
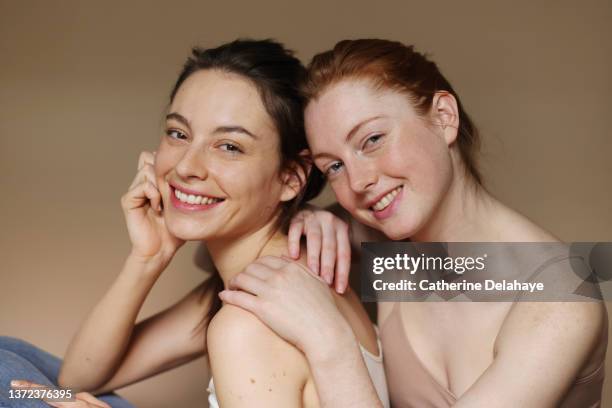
(345, 197)
(419, 164)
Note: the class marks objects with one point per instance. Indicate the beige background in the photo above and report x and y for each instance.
(83, 85)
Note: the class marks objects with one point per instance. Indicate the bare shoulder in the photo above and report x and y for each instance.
(572, 329)
(236, 332)
(249, 362)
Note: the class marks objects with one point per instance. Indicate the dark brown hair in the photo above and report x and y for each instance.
(276, 74)
(393, 65)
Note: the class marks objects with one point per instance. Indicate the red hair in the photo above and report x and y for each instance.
(392, 65)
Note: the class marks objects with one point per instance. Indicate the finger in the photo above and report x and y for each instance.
(27, 383)
(145, 157)
(247, 283)
(241, 299)
(343, 260)
(259, 270)
(294, 235)
(87, 397)
(64, 404)
(146, 172)
(141, 195)
(304, 268)
(273, 262)
(328, 253)
(313, 247)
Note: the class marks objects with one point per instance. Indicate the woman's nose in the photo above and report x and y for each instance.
(361, 177)
(192, 164)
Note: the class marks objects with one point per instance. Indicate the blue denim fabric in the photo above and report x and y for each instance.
(22, 360)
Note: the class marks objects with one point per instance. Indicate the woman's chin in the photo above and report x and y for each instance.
(188, 233)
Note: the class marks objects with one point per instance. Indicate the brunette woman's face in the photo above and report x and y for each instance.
(387, 165)
(217, 166)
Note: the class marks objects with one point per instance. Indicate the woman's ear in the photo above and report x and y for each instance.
(445, 114)
(294, 177)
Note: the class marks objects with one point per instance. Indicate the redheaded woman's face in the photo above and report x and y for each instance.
(387, 165)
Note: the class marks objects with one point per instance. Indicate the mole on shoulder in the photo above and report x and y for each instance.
(252, 380)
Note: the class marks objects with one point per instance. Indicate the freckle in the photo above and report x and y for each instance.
(252, 381)
(284, 374)
(269, 389)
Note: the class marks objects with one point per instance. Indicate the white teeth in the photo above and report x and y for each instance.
(195, 199)
(386, 200)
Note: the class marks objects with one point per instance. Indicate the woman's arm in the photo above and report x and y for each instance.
(540, 351)
(295, 304)
(109, 351)
(163, 341)
(298, 306)
(251, 366)
(98, 348)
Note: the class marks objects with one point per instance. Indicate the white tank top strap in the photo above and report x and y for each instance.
(376, 370)
(212, 395)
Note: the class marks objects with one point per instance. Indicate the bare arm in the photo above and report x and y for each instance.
(105, 339)
(252, 366)
(541, 349)
(110, 352)
(299, 307)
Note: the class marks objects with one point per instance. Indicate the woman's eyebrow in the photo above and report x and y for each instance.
(235, 129)
(360, 124)
(179, 118)
(220, 129)
(322, 154)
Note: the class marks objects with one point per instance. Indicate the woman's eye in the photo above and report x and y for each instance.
(372, 140)
(175, 134)
(333, 169)
(228, 147)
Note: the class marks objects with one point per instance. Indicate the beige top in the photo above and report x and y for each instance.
(411, 385)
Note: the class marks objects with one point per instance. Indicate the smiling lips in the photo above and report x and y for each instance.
(195, 199)
(386, 200)
(189, 201)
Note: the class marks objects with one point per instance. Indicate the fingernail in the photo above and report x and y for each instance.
(328, 279)
(16, 383)
(221, 294)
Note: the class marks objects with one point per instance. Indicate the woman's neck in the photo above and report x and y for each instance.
(231, 256)
(466, 213)
(469, 213)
